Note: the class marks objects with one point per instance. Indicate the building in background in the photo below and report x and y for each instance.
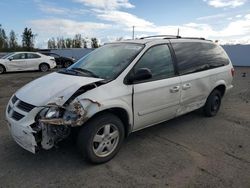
(239, 54)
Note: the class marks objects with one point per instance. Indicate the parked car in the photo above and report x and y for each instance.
(118, 89)
(22, 61)
(60, 60)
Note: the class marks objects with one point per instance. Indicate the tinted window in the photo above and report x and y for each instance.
(32, 56)
(19, 56)
(158, 59)
(197, 56)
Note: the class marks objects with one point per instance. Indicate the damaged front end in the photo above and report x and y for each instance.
(54, 122)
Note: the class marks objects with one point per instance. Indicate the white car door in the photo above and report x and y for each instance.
(158, 98)
(17, 62)
(33, 61)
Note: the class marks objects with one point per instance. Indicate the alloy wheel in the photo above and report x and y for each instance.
(105, 140)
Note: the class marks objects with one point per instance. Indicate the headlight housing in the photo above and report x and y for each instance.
(53, 112)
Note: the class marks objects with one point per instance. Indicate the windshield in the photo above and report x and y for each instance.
(106, 62)
(7, 55)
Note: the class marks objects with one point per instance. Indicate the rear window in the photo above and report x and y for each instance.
(198, 56)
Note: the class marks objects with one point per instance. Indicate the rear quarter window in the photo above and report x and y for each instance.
(199, 56)
(32, 56)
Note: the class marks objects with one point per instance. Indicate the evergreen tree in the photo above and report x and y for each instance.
(28, 39)
(94, 43)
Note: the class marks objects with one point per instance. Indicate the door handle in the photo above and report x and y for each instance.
(186, 86)
(174, 89)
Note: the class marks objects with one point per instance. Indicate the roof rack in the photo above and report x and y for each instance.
(161, 36)
(172, 37)
(199, 38)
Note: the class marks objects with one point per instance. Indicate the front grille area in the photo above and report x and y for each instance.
(9, 108)
(16, 116)
(25, 106)
(18, 106)
(14, 99)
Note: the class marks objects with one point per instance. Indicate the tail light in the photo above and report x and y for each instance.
(232, 72)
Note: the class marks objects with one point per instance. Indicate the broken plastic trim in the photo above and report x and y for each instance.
(73, 117)
(76, 115)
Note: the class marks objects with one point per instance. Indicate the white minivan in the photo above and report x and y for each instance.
(25, 61)
(117, 89)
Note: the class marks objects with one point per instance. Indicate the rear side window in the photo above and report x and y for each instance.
(32, 56)
(197, 56)
(158, 59)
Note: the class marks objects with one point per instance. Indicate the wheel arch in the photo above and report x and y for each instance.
(221, 86)
(44, 63)
(121, 113)
(3, 67)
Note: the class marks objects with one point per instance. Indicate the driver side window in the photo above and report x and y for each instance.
(159, 61)
(19, 56)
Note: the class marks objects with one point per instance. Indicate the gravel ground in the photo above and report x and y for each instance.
(189, 151)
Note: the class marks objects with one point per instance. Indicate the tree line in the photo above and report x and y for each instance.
(9, 43)
(76, 42)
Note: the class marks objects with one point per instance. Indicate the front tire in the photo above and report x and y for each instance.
(44, 67)
(2, 69)
(213, 103)
(101, 138)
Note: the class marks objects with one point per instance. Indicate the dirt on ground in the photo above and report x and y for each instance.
(189, 151)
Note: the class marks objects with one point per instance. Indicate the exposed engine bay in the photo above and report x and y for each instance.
(55, 121)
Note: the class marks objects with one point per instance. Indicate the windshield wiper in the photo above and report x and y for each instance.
(80, 70)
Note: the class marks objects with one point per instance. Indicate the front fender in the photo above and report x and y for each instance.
(93, 107)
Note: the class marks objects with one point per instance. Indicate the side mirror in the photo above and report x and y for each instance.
(10, 58)
(141, 74)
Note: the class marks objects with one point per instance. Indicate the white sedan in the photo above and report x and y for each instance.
(22, 61)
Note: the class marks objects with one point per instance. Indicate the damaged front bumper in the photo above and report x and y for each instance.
(37, 131)
(23, 135)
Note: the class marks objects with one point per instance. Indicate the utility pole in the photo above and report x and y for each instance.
(133, 33)
(178, 32)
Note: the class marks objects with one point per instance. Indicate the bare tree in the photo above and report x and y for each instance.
(61, 42)
(13, 40)
(77, 41)
(3, 39)
(84, 42)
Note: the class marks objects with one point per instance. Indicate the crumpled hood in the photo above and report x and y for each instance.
(51, 87)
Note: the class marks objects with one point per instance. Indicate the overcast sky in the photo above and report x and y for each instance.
(225, 20)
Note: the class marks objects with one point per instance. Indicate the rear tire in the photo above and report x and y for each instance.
(213, 103)
(2, 69)
(101, 138)
(44, 67)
